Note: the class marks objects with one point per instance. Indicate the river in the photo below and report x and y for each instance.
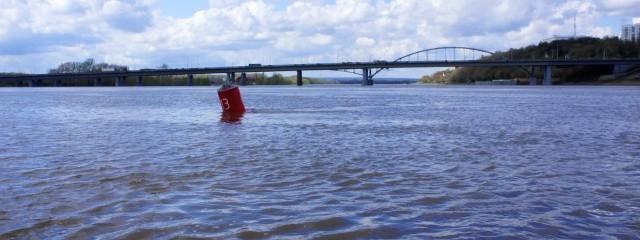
(326, 162)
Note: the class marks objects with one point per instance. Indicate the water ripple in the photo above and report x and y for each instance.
(325, 162)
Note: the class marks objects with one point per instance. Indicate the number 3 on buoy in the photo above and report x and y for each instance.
(225, 104)
(230, 99)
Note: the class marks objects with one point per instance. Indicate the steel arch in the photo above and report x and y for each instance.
(440, 48)
(432, 49)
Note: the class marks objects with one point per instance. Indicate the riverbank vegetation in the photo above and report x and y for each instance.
(279, 79)
(580, 48)
(88, 66)
(9, 84)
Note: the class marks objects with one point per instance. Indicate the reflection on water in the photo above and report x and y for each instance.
(231, 117)
(330, 162)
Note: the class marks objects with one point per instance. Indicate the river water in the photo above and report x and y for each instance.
(327, 162)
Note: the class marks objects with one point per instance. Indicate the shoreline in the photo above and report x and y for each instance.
(577, 84)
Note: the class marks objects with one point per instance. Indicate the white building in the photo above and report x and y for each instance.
(631, 32)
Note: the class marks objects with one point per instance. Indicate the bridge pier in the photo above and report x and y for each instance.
(97, 82)
(190, 80)
(35, 82)
(56, 82)
(532, 76)
(243, 79)
(231, 77)
(299, 77)
(366, 78)
(547, 76)
(121, 81)
(139, 81)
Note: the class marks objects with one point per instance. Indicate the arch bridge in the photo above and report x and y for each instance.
(432, 57)
(438, 54)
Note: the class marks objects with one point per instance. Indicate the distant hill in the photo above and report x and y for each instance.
(578, 48)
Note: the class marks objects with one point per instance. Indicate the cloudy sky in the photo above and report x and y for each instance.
(36, 35)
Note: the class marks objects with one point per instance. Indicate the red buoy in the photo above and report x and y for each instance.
(230, 99)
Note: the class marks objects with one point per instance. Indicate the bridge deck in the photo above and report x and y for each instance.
(328, 66)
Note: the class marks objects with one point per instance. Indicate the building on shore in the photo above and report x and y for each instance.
(631, 32)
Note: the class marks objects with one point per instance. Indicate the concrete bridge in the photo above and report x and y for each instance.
(453, 57)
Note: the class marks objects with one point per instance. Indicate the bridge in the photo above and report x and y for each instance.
(427, 58)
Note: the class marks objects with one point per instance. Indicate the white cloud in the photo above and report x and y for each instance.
(321, 39)
(365, 42)
(127, 16)
(240, 32)
(620, 6)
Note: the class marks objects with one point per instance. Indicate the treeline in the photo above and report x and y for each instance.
(580, 48)
(88, 66)
(439, 77)
(279, 79)
(217, 79)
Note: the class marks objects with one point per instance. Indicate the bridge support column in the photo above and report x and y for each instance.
(532, 76)
(366, 79)
(243, 79)
(299, 77)
(231, 77)
(547, 76)
(97, 82)
(56, 82)
(139, 81)
(32, 82)
(120, 81)
(190, 80)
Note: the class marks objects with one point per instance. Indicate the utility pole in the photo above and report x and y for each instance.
(575, 34)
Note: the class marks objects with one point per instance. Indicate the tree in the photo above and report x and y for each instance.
(87, 66)
(580, 48)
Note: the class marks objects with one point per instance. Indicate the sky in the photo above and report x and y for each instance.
(37, 35)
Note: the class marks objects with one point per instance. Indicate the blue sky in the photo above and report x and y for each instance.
(36, 35)
(182, 9)
(185, 9)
